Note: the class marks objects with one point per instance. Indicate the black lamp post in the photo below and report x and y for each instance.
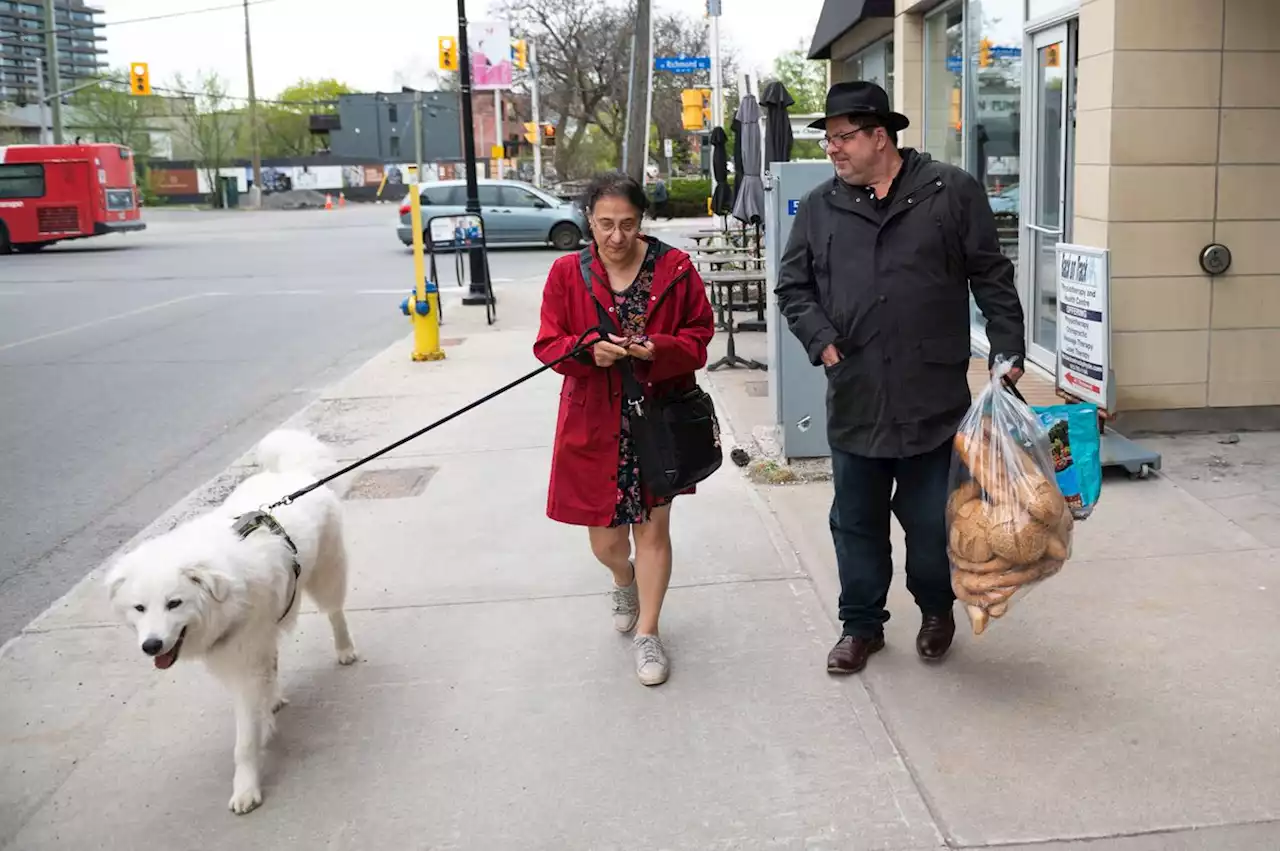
(478, 292)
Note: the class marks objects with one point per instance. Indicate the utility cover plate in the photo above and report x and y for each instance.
(395, 483)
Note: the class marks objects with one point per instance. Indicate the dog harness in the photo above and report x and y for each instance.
(246, 524)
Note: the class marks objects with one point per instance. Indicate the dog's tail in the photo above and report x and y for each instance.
(287, 451)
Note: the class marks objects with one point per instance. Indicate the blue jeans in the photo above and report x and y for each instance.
(864, 496)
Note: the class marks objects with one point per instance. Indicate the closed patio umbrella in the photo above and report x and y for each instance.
(748, 205)
(778, 138)
(721, 198)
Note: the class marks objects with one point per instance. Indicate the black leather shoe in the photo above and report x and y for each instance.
(851, 652)
(934, 639)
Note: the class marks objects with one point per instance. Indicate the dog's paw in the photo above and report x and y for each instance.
(347, 656)
(245, 801)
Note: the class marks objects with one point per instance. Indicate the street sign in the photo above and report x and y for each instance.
(682, 64)
(667, 148)
(1084, 323)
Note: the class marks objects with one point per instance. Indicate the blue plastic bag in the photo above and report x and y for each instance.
(1077, 453)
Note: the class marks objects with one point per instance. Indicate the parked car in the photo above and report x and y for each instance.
(515, 213)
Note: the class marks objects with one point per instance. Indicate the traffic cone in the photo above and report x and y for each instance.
(342, 199)
(328, 201)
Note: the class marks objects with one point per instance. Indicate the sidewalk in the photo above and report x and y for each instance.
(1132, 698)
(494, 707)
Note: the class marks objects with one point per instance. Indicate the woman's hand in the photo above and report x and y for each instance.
(643, 351)
(606, 354)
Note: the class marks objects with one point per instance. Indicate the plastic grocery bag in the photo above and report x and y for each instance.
(1075, 445)
(1008, 525)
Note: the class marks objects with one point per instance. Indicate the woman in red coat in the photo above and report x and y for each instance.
(658, 301)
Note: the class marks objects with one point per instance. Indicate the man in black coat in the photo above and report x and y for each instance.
(874, 283)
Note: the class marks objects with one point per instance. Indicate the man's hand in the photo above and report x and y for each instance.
(831, 356)
(1014, 374)
(606, 354)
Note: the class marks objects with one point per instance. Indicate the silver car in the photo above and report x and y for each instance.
(515, 213)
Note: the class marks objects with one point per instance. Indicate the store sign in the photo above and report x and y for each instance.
(1084, 323)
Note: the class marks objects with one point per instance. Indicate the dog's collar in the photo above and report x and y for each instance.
(246, 524)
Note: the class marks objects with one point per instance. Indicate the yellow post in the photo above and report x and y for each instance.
(426, 329)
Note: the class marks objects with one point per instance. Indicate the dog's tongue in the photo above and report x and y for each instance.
(164, 660)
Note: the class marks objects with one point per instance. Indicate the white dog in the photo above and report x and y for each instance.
(204, 591)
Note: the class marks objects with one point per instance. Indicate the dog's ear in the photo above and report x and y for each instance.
(113, 580)
(218, 585)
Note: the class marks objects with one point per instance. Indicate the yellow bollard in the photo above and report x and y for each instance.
(426, 329)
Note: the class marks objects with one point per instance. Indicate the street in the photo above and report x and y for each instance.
(134, 368)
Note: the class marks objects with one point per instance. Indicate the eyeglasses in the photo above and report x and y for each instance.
(838, 140)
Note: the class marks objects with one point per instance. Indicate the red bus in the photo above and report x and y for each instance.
(49, 193)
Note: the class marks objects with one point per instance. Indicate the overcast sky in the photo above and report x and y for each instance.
(366, 42)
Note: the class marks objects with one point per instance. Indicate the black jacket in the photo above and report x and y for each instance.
(890, 288)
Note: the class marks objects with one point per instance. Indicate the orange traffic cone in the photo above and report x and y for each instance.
(342, 199)
(328, 201)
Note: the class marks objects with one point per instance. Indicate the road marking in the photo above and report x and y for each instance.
(102, 321)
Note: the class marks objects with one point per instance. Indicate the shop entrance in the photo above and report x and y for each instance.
(1048, 179)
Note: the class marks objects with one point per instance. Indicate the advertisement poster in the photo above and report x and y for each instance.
(490, 47)
(1084, 323)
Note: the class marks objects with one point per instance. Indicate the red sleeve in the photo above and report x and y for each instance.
(686, 350)
(555, 338)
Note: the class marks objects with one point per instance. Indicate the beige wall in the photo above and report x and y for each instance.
(1178, 113)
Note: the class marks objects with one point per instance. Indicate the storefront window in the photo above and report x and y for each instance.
(944, 81)
(994, 112)
(874, 64)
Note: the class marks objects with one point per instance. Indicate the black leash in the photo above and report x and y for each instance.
(584, 342)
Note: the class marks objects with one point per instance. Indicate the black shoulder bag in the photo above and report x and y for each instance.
(677, 436)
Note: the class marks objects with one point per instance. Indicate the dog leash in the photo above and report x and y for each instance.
(584, 342)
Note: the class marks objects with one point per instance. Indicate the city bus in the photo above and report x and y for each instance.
(51, 193)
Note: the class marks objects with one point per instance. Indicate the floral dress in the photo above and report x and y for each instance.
(630, 307)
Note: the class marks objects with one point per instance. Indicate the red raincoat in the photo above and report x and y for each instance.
(584, 462)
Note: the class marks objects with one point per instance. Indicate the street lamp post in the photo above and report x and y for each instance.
(478, 292)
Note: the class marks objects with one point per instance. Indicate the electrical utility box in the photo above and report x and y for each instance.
(797, 388)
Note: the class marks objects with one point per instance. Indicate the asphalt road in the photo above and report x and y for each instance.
(133, 368)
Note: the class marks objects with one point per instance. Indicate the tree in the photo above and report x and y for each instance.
(108, 113)
(582, 54)
(286, 125)
(211, 126)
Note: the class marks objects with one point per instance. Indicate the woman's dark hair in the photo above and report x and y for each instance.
(615, 184)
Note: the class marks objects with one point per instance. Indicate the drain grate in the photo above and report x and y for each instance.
(757, 388)
(397, 483)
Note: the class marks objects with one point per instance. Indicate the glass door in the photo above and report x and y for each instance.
(1049, 180)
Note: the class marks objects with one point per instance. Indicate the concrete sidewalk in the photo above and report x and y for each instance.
(1132, 699)
(494, 707)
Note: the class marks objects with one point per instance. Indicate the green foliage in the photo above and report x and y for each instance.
(804, 78)
(108, 113)
(286, 125)
(688, 196)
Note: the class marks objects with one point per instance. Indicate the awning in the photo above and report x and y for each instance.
(840, 16)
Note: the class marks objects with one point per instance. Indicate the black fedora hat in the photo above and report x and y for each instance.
(860, 98)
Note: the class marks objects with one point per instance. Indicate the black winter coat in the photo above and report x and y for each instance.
(890, 288)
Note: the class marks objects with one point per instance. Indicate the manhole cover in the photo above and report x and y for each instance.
(757, 388)
(451, 341)
(397, 483)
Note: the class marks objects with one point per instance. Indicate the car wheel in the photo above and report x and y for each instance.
(566, 236)
(29, 247)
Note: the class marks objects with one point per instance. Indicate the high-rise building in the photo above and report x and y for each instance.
(22, 42)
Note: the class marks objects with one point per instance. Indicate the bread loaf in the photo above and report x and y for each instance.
(969, 532)
(977, 618)
(993, 565)
(1015, 536)
(964, 493)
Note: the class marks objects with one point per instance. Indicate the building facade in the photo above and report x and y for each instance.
(1145, 127)
(22, 42)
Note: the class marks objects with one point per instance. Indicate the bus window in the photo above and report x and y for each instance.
(22, 181)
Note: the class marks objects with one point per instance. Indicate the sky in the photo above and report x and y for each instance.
(367, 43)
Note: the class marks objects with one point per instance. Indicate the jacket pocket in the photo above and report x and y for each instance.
(574, 392)
(854, 395)
(941, 382)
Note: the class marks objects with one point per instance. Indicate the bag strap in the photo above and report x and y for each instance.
(635, 393)
(1013, 388)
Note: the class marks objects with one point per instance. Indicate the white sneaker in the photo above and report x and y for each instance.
(652, 666)
(626, 605)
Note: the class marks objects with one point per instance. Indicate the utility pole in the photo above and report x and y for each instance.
(717, 101)
(497, 130)
(477, 293)
(636, 109)
(631, 89)
(537, 118)
(41, 101)
(255, 193)
(55, 81)
(417, 131)
(648, 107)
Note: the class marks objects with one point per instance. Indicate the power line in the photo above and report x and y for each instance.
(86, 27)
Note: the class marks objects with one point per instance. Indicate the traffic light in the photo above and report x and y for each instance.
(448, 53)
(695, 109)
(139, 79)
(984, 53)
(520, 53)
(548, 136)
(531, 133)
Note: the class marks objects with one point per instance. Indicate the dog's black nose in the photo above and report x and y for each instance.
(152, 646)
